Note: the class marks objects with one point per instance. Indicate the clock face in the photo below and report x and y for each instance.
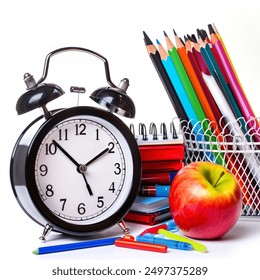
(82, 168)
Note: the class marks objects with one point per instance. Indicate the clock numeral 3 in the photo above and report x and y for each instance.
(118, 168)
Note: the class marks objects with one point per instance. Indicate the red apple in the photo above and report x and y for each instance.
(205, 200)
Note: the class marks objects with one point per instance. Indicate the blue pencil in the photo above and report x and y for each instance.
(75, 246)
(180, 90)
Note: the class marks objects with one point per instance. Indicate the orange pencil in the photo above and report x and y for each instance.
(194, 80)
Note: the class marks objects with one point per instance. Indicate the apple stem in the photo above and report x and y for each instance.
(220, 176)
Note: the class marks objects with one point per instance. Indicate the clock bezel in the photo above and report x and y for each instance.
(57, 223)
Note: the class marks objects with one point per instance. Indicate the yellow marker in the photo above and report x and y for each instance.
(195, 245)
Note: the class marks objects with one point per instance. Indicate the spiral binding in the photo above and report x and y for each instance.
(239, 152)
(153, 136)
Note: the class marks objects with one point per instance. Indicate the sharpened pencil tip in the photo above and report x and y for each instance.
(211, 29)
(158, 42)
(147, 40)
(165, 34)
(36, 252)
(174, 32)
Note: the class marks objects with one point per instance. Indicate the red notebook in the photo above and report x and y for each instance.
(162, 166)
(162, 178)
(148, 218)
(161, 152)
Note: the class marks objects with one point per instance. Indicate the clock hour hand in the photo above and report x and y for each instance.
(97, 156)
(79, 166)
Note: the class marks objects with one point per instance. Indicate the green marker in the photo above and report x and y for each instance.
(195, 245)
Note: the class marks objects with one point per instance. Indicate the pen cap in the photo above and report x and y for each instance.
(171, 225)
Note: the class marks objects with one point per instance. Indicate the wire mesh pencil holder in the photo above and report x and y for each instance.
(233, 145)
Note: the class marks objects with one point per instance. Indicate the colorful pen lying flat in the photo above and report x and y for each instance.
(75, 246)
(195, 245)
(172, 244)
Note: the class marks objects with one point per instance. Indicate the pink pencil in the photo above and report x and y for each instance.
(239, 95)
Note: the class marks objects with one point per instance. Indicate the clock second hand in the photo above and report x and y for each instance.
(79, 166)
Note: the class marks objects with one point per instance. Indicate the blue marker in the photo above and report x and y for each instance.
(151, 238)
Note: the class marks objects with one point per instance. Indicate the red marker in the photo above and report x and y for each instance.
(129, 242)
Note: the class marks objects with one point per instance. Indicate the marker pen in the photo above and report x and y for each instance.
(173, 244)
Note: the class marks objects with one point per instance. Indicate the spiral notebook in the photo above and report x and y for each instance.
(154, 136)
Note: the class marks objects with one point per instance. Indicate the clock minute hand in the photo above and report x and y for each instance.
(76, 163)
(65, 153)
(97, 156)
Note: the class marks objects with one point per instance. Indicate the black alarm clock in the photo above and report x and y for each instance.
(76, 170)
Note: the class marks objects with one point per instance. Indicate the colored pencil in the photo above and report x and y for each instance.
(179, 88)
(189, 67)
(185, 79)
(234, 128)
(156, 60)
(223, 44)
(200, 127)
(197, 54)
(218, 76)
(215, 110)
(239, 94)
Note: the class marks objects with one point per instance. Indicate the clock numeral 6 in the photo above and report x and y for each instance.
(81, 209)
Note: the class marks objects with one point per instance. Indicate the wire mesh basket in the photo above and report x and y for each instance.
(233, 145)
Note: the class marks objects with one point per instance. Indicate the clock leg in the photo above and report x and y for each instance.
(123, 226)
(47, 229)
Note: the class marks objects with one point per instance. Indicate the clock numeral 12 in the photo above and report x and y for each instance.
(80, 129)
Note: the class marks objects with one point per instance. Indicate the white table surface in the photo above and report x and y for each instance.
(235, 254)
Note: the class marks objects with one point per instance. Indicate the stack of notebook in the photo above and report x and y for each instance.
(162, 156)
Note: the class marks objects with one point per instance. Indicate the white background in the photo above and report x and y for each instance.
(32, 29)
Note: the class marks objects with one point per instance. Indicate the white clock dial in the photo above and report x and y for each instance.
(81, 169)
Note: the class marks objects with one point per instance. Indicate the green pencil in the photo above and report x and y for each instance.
(195, 103)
